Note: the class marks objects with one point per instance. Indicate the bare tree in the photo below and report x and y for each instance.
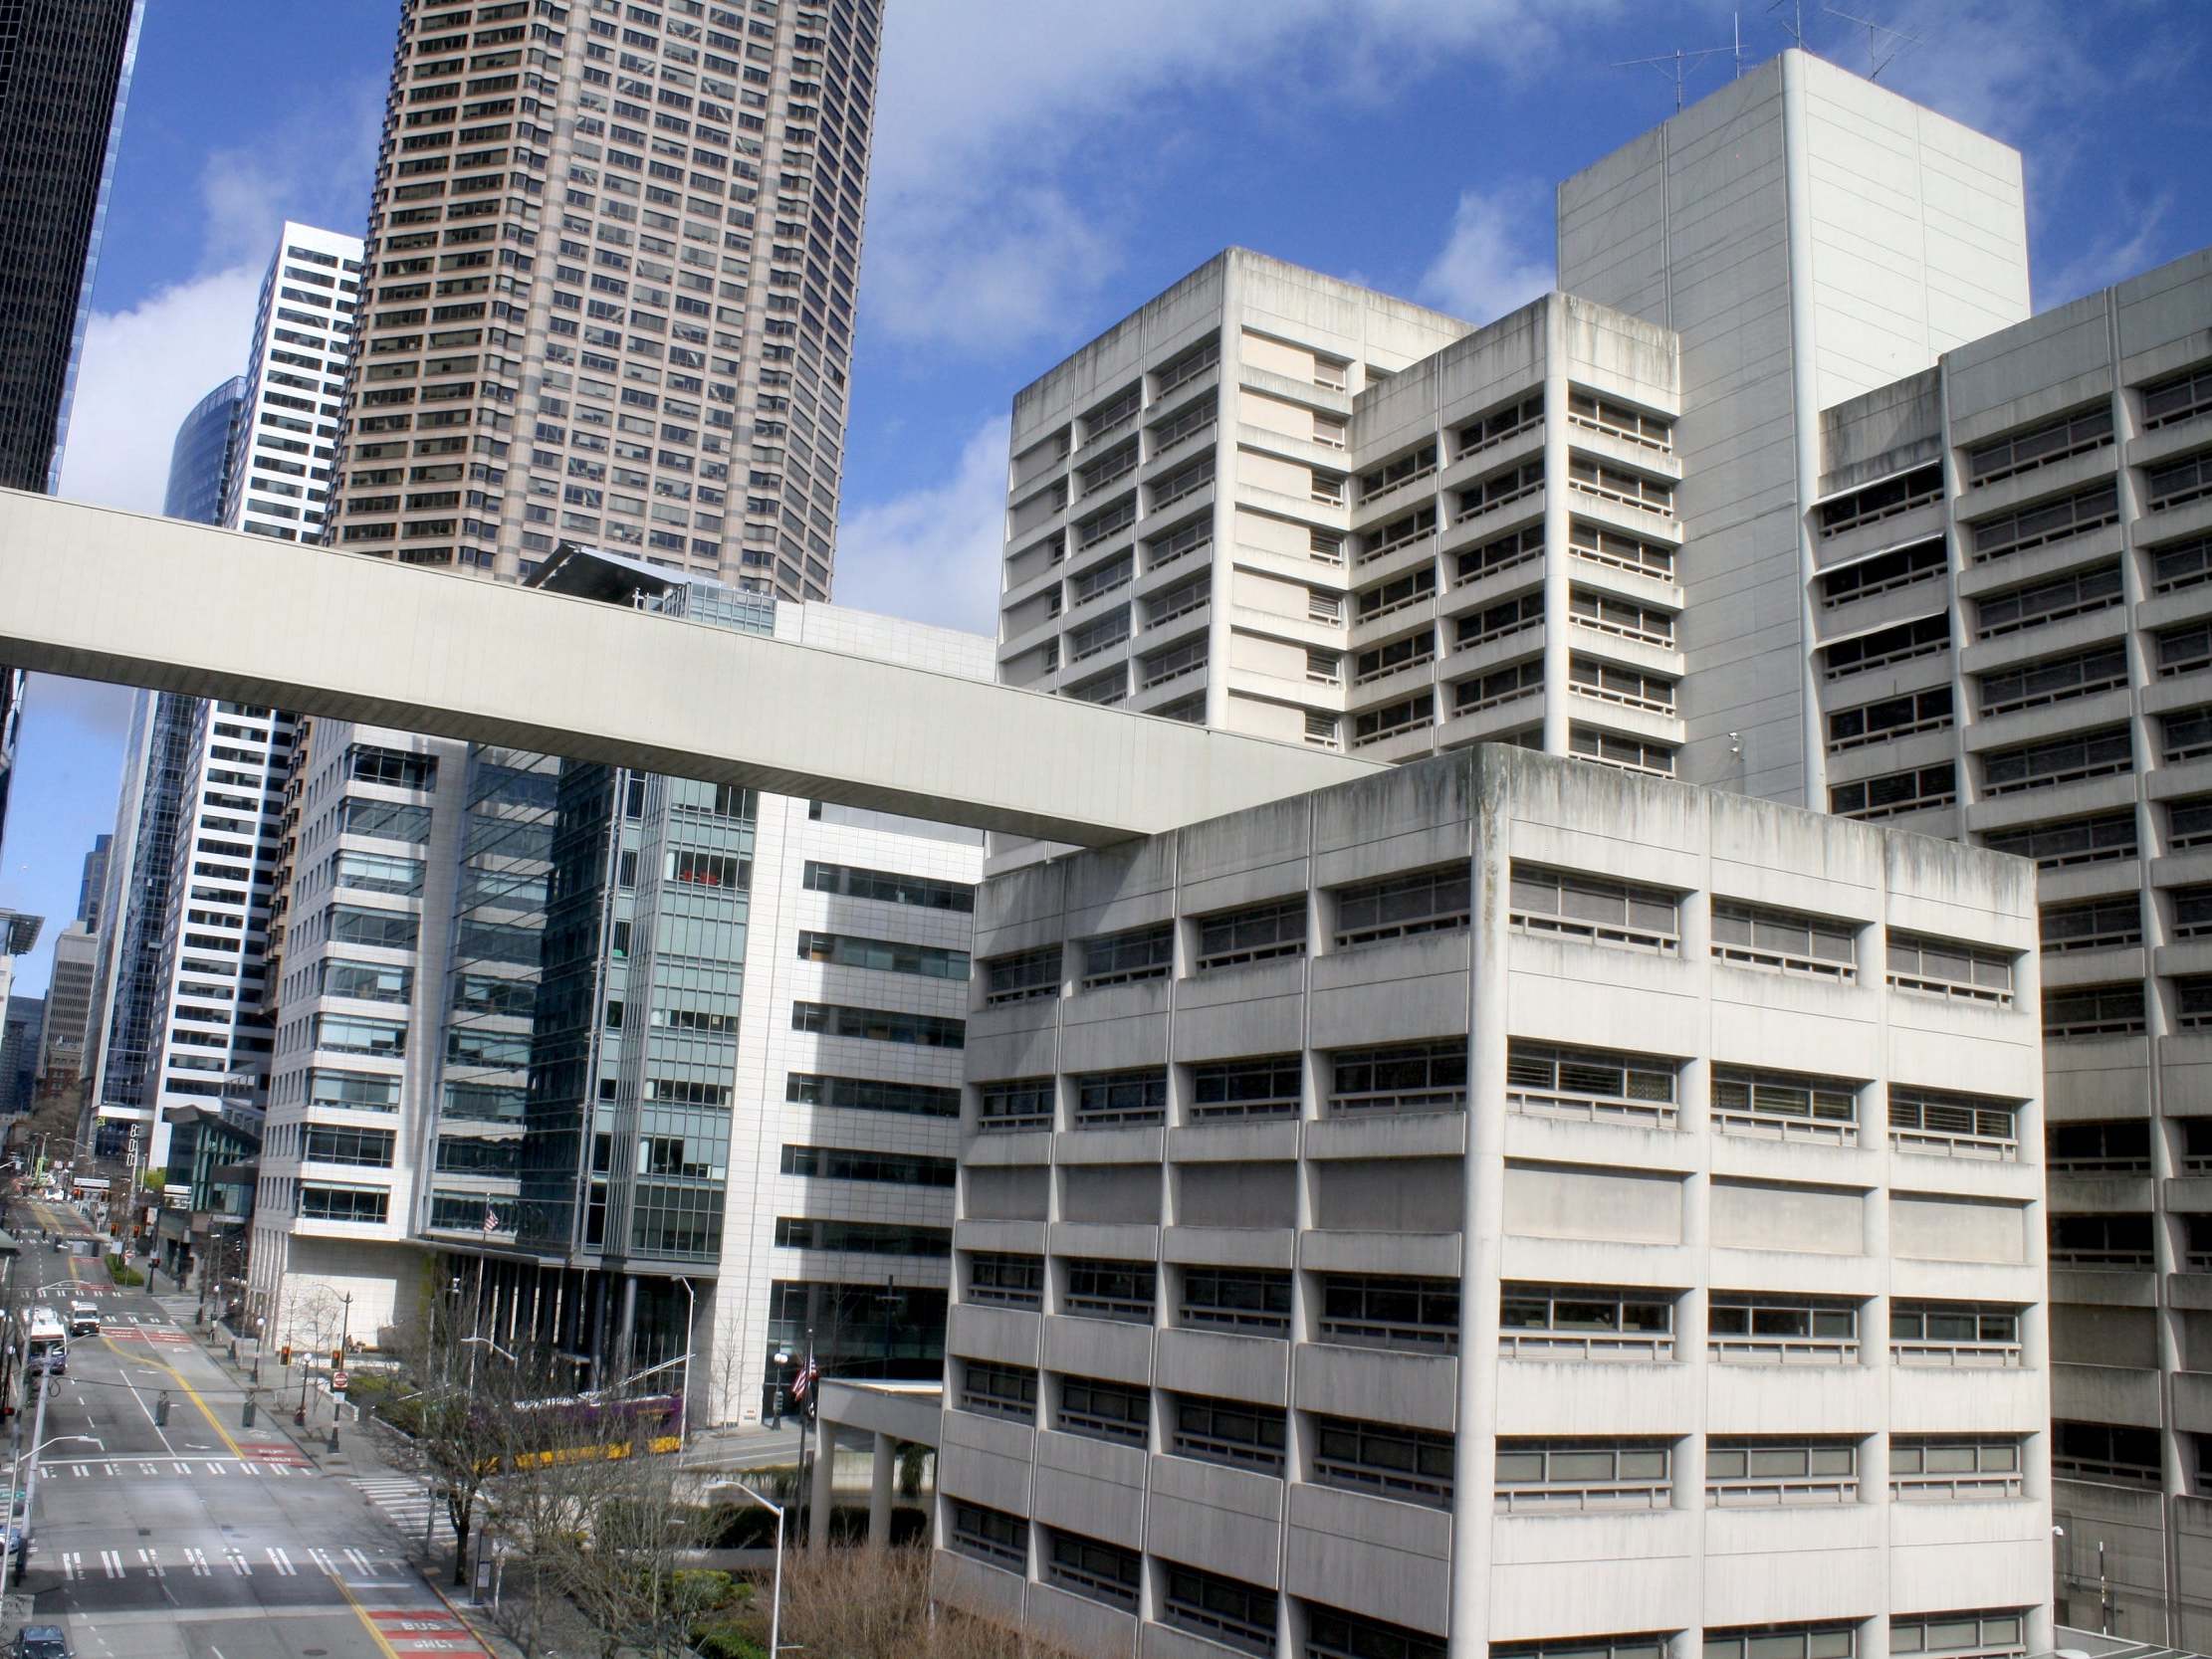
(875, 1604)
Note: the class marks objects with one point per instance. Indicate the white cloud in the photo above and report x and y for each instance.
(141, 372)
(933, 554)
(988, 103)
(1491, 263)
(316, 166)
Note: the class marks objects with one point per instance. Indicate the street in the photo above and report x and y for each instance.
(202, 1537)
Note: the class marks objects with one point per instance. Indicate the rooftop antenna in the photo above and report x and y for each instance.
(1793, 24)
(1680, 64)
(1878, 61)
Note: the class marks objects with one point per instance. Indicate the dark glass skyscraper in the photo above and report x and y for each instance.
(197, 470)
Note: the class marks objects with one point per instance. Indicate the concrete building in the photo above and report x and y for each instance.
(69, 998)
(65, 73)
(2011, 646)
(1503, 1201)
(612, 288)
(276, 477)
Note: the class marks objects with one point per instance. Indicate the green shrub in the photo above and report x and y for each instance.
(726, 1641)
(122, 1273)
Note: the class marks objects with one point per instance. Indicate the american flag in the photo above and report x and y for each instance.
(804, 1382)
(490, 1221)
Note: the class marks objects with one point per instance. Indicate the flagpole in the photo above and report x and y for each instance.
(807, 1381)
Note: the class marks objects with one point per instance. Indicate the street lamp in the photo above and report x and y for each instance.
(776, 1596)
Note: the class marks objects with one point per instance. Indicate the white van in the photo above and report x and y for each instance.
(84, 1319)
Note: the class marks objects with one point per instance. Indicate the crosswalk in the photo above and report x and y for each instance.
(175, 1468)
(153, 1562)
(406, 1504)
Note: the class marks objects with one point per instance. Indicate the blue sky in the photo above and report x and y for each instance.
(1041, 168)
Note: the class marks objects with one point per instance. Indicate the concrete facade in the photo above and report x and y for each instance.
(2013, 646)
(1485, 1219)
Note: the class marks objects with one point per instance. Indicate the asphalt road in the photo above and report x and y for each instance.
(201, 1539)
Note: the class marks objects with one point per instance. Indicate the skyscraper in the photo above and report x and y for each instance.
(199, 459)
(18, 1052)
(613, 288)
(65, 71)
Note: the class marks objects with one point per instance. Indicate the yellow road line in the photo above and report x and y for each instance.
(370, 1625)
(191, 1393)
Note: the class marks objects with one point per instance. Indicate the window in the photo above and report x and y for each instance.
(2185, 735)
(2178, 397)
(2177, 482)
(1021, 977)
(1508, 616)
(329, 1144)
(1094, 1570)
(1595, 908)
(1585, 1322)
(1020, 1103)
(353, 1034)
(1952, 1125)
(1890, 717)
(1104, 1410)
(2184, 650)
(1410, 1463)
(2189, 822)
(1401, 531)
(1331, 1634)
(1619, 484)
(1886, 499)
(2179, 564)
(841, 1163)
(998, 1390)
(1433, 901)
(2064, 841)
(989, 1535)
(1946, 968)
(1512, 483)
(2038, 446)
(1590, 1085)
(2046, 521)
(1117, 1100)
(1508, 420)
(890, 888)
(1397, 593)
(1918, 790)
(2193, 1002)
(385, 820)
(1406, 714)
(1372, 1309)
(353, 1091)
(1996, 1635)
(2094, 925)
(317, 1202)
(1898, 643)
(860, 1238)
(1744, 1470)
(1953, 1334)
(690, 868)
(1603, 414)
(2031, 606)
(1932, 1468)
(1612, 748)
(1005, 1280)
(365, 981)
(1223, 1610)
(2116, 1243)
(1124, 1290)
(1502, 685)
(879, 1025)
(1754, 935)
(1537, 1477)
(1234, 1432)
(1782, 1329)
(1399, 654)
(1630, 688)
(1623, 618)
(1785, 1106)
(869, 1094)
(1405, 1078)
(1501, 552)
(1622, 551)
(399, 768)
(1270, 1085)
(1884, 572)
(383, 929)
(882, 955)
(2054, 680)
(1121, 958)
(1252, 1300)
(1783, 1641)
(1255, 934)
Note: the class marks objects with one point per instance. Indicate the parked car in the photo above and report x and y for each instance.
(42, 1641)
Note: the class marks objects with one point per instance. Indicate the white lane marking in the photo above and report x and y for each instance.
(282, 1563)
(323, 1563)
(359, 1560)
(197, 1561)
(112, 1560)
(238, 1563)
(72, 1565)
(152, 1559)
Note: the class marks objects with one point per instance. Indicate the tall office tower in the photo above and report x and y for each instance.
(69, 999)
(92, 883)
(277, 473)
(1812, 236)
(1409, 1218)
(612, 289)
(65, 71)
(18, 1052)
(18, 934)
(2013, 645)
(199, 460)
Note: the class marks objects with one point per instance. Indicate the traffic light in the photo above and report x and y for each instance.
(337, 1359)
(284, 1355)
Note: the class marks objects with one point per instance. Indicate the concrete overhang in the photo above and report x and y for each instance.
(100, 595)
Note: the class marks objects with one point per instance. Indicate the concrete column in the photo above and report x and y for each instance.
(879, 1492)
(825, 1462)
(1558, 587)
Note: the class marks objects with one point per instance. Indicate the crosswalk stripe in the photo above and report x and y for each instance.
(72, 1565)
(112, 1561)
(197, 1561)
(238, 1563)
(282, 1563)
(152, 1559)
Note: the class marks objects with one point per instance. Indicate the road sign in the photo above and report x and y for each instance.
(338, 1381)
